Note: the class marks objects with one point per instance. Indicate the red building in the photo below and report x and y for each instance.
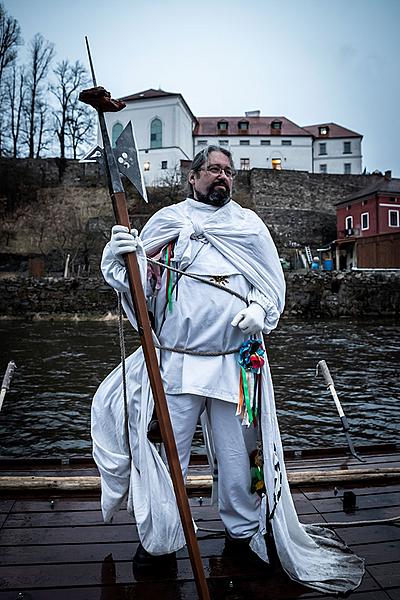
(368, 226)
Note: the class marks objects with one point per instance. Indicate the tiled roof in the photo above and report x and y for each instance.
(380, 185)
(334, 131)
(147, 94)
(151, 93)
(208, 126)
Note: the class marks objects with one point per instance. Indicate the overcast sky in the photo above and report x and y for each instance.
(312, 61)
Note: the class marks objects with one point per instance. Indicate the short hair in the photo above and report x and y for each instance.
(201, 158)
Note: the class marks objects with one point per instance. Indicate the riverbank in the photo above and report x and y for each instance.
(309, 294)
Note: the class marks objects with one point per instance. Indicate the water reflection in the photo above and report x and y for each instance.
(60, 364)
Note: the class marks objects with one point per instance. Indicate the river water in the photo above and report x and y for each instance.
(46, 413)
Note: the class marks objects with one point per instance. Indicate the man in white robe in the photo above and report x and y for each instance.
(200, 329)
(205, 326)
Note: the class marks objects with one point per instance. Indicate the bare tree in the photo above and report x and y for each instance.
(71, 78)
(41, 55)
(16, 94)
(81, 125)
(10, 39)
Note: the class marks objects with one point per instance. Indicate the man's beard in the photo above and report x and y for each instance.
(214, 197)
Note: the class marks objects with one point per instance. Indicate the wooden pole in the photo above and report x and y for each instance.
(157, 388)
(118, 197)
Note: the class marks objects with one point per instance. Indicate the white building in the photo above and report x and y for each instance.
(168, 132)
(335, 149)
(255, 141)
(163, 125)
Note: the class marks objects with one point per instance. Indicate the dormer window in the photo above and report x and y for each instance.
(222, 125)
(323, 130)
(276, 125)
(243, 125)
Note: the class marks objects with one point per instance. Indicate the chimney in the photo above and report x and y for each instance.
(388, 175)
(252, 113)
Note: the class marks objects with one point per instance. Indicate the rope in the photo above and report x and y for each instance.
(200, 278)
(390, 521)
(123, 365)
(196, 352)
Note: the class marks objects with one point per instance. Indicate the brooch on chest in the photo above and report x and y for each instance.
(221, 279)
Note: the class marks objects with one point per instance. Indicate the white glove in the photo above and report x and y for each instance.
(122, 241)
(251, 319)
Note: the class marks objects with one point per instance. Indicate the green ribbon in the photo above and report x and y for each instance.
(246, 395)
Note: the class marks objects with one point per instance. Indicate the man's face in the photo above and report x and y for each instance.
(213, 188)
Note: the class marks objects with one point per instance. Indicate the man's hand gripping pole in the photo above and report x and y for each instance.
(101, 100)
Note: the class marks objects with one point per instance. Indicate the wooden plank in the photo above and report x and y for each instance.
(328, 492)
(367, 534)
(387, 575)
(59, 504)
(363, 501)
(30, 576)
(379, 552)
(6, 505)
(64, 519)
(170, 590)
(74, 553)
(394, 594)
(92, 484)
(183, 591)
(270, 585)
(367, 514)
(68, 535)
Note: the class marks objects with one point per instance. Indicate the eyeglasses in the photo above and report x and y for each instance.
(216, 170)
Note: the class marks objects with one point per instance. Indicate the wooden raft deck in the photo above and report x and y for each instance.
(55, 545)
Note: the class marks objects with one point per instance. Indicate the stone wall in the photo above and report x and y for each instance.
(299, 207)
(52, 207)
(309, 294)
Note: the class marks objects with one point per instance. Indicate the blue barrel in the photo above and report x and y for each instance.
(328, 264)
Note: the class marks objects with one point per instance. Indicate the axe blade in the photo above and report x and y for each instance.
(127, 158)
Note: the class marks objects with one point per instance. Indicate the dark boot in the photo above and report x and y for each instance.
(145, 560)
(237, 547)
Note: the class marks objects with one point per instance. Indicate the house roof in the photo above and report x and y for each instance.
(151, 93)
(382, 184)
(208, 126)
(334, 131)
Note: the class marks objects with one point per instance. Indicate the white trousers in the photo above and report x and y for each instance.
(238, 507)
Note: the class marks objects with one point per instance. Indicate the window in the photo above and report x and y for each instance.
(347, 169)
(347, 148)
(394, 218)
(365, 221)
(276, 164)
(276, 125)
(243, 125)
(244, 143)
(223, 125)
(323, 130)
(286, 142)
(322, 148)
(223, 142)
(245, 164)
(202, 142)
(116, 132)
(156, 133)
(265, 142)
(164, 164)
(323, 168)
(348, 223)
